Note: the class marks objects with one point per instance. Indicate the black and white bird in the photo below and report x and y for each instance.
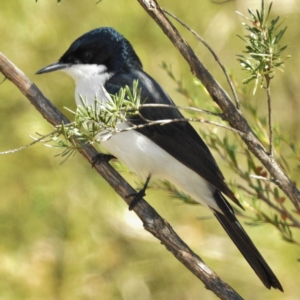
(101, 62)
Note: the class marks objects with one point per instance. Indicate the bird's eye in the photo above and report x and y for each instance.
(87, 56)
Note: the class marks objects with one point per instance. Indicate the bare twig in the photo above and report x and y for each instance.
(28, 145)
(268, 90)
(152, 222)
(234, 93)
(168, 121)
(182, 108)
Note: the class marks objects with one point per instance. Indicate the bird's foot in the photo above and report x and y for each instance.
(139, 195)
(101, 157)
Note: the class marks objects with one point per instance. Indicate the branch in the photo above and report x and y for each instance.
(271, 152)
(219, 95)
(152, 221)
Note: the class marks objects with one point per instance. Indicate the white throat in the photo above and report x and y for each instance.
(89, 80)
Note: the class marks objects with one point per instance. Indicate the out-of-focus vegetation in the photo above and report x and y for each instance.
(64, 234)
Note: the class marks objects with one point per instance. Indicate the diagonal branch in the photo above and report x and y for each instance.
(219, 95)
(152, 221)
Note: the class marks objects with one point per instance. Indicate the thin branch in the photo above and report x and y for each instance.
(262, 178)
(234, 93)
(168, 121)
(268, 90)
(28, 145)
(152, 221)
(183, 108)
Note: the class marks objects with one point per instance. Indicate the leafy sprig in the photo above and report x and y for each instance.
(263, 50)
(98, 121)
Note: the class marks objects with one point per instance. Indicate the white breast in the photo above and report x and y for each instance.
(144, 157)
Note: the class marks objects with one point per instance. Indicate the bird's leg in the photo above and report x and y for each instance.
(101, 157)
(139, 195)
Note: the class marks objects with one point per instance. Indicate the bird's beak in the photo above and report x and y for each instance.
(53, 67)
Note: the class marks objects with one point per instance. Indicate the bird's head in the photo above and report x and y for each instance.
(97, 51)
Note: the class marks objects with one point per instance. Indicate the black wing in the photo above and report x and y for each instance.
(179, 139)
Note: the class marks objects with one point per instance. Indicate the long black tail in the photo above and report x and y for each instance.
(243, 242)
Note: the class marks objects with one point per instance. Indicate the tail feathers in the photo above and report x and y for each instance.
(244, 243)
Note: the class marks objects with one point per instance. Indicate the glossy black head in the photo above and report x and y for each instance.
(102, 46)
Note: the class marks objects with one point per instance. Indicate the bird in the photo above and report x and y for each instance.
(101, 62)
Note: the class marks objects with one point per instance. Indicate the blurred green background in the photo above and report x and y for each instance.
(64, 234)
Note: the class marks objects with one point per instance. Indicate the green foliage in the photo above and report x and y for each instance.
(264, 53)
